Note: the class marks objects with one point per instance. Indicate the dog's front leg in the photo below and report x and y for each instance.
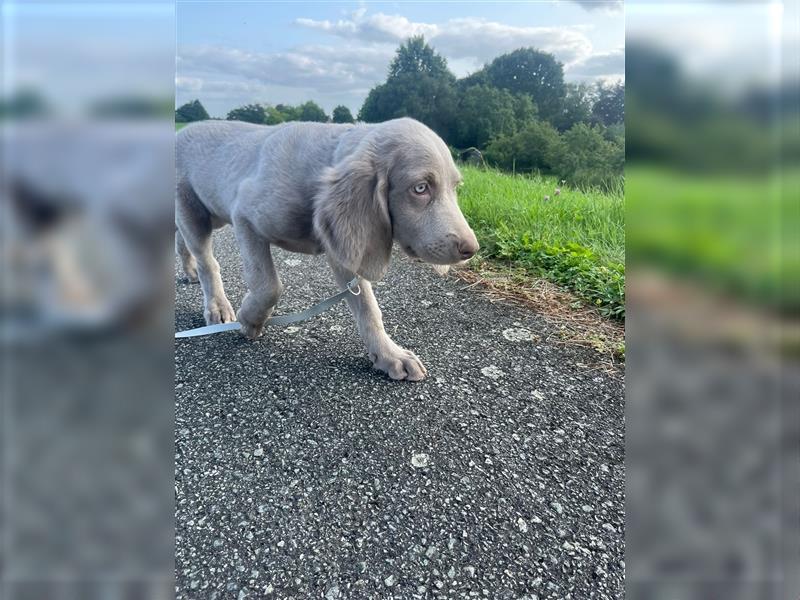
(264, 285)
(385, 355)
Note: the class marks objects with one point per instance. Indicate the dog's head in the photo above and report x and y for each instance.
(398, 184)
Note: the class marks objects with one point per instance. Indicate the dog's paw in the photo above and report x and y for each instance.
(219, 311)
(399, 363)
(250, 331)
(190, 276)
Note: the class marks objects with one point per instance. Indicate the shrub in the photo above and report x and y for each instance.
(537, 147)
(588, 159)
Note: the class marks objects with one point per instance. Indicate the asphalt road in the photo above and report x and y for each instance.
(301, 472)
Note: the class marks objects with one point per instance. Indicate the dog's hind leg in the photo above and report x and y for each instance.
(263, 283)
(188, 261)
(194, 225)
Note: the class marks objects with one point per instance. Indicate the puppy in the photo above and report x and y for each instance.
(348, 191)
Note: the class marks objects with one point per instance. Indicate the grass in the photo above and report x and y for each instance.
(179, 126)
(575, 239)
(736, 233)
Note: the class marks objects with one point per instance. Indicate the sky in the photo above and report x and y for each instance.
(234, 53)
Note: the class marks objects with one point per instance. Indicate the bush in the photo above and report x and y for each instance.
(537, 147)
(588, 159)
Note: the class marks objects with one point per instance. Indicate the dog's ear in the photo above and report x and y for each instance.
(351, 216)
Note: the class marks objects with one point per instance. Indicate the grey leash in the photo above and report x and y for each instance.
(352, 288)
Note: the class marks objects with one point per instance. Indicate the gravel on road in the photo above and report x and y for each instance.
(301, 472)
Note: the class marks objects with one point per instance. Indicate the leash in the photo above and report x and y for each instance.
(352, 288)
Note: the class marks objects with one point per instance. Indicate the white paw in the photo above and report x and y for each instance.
(219, 311)
(399, 363)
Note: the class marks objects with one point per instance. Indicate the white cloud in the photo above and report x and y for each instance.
(318, 68)
(473, 40)
(359, 50)
(601, 64)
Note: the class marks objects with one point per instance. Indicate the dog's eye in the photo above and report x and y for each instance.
(420, 188)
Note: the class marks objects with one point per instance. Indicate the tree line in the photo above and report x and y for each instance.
(517, 110)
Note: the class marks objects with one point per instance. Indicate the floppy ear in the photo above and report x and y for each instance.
(351, 216)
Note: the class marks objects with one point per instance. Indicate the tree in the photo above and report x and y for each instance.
(609, 108)
(419, 86)
(273, 116)
(342, 114)
(532, 72)
(416, 57)
(536, 147)
(251, 113)
(429, 100)
(485, 112)
(589, 159)
(288, 113)
(311, 111)
(576, 107)
(190, 112)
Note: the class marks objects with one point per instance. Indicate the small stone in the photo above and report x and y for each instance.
(537, 394)
(292, 329)
(431, 552)
(332, 593)
(269, 589)
(586, 508)
(535, 519)
(522, 525)
(258, 452)
(439, 584)
(389, 581)
(567, 546)
(518, 334)
(281, 544)
(492, 372)
(217, 543)
(451, 573)
(242, 594)
(420, 460)
(557, 507)
(470, 571)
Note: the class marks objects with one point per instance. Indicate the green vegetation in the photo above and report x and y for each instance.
(518, 109)
(191, 111)
(571, 237)
(735, 233)
(517, 112)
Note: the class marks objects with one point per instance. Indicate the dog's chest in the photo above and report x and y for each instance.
(304, 246)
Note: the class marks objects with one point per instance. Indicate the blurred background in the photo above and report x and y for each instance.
(713, 339)
(85, 302)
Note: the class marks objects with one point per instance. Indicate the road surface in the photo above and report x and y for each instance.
(301, 472)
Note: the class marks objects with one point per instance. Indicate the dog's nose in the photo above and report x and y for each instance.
(468, 248)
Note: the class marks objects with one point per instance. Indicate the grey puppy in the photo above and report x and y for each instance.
(349, 191)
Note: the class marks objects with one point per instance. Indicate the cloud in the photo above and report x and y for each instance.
(601, 64)
(474, 39)
(357, 54)
(610, 6)
(318, 68)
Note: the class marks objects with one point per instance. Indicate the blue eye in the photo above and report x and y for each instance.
(420, 188)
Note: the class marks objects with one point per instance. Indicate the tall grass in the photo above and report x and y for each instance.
(575, 238)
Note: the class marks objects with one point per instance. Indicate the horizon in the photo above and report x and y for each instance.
(334, 54)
